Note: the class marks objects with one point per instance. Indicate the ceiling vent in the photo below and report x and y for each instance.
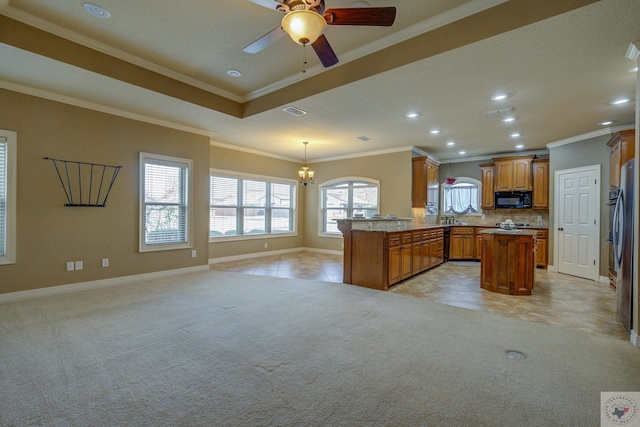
(293, 110)
(498, 112)
(364, 138)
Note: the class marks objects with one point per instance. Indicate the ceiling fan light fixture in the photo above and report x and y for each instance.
(304, 26)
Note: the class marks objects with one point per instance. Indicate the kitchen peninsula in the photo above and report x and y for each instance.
(379, 252)
(508, 261)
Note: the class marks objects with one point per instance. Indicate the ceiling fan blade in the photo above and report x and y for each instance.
(324, 51)
(371, 16)
(269, 4)
(265, 40)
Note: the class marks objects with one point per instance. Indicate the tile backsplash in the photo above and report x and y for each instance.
(491, 217)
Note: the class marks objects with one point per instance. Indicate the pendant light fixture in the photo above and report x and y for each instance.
(306, 175)
(451, 179)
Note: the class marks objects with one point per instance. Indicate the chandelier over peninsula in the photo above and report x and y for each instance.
(306, 175)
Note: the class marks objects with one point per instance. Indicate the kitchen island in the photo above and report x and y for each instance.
(381, 252)
(508, 261)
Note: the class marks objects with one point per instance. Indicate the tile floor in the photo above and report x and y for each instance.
(557, 299)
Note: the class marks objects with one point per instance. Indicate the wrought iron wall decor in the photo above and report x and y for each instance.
(85, 184)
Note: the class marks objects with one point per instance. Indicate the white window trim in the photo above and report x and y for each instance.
(174, 161)
(269, 179)
(11, 139)
(329, 183)
(464, 179)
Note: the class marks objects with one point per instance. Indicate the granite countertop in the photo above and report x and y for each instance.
(515, 232)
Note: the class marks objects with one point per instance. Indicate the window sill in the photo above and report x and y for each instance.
(241, 237)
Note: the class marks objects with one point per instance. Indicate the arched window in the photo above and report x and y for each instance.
(344, 197)
(462, 197)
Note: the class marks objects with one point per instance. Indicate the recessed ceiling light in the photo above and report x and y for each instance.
(411, 115)
(508, 119)
(234, 73)
(620, 101)
(450, 143)
(515, 135)
(606, 123)
(462, 152)
(97, 11)
(633, 69)
(435, 131)
(520, 146)
(499, 97)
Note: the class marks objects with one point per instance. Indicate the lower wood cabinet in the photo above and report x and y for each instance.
(462, 243)
(542, 248)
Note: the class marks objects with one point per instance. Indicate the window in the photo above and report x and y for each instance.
(243, 205)
(164, 202)
(462, 197)
(345, 198)
(7, 197)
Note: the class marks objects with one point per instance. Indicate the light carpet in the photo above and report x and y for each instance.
(226, 349)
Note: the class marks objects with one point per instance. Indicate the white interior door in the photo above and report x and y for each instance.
(577, 221)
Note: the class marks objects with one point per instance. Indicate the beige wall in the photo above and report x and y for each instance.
(50, 234)
(392, 170)
(239, 161)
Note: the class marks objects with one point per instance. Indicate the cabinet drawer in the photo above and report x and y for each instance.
(417, 236)
(462, 230)
(542, 234)
(394, 239)
(406, 238)
(426, 235)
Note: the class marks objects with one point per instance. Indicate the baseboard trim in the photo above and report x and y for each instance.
(634, 339)
(603, 279)
(551, 268)
(95, 284)
(271, 253)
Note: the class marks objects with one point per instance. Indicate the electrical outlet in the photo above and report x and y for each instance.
(193, 253)
(266, 245)
(78, 265)
(105, 262)
(70, 266)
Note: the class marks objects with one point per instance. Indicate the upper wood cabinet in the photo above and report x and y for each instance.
(622, 150)
(419, 182)
(540, 184)
(488, 184)
(424, 183)
(513, 173)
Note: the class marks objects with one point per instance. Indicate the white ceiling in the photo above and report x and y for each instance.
(561, 74)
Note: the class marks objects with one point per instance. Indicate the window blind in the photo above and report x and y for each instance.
(245, 205)
(166, 206)
(3, 197)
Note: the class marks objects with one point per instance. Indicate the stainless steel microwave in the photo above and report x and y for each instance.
(513, 199)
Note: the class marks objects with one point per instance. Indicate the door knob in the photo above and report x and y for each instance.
(560, 228)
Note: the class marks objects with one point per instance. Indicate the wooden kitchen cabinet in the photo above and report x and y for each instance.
(462, 243)
(478, 243)
(379, 259)
(424, 183)
(513, 173)
(540, 172)
(419, 182)
(542, 248)
(622, 146)
(488, 185)
(432, 186)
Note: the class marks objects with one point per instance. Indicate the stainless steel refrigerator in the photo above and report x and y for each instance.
(623, 244)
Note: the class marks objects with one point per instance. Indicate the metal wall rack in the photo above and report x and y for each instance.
(85, 184)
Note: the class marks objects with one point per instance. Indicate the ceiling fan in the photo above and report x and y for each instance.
(306, 20)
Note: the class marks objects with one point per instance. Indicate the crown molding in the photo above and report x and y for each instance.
(492, 156)
(41, 93)
(589, 135)
(252, 151)
(365, 154)
(34, 21)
